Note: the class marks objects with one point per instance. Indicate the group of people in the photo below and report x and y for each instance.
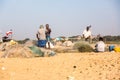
(100, 45)
(43, 35)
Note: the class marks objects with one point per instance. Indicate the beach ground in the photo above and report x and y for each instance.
(63, 66)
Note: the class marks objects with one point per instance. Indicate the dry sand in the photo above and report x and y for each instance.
(63, 66)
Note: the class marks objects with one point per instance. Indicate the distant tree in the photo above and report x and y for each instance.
(26, 39)
(112, 38)
(23, 41)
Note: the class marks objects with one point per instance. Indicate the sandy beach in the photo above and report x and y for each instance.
(63, 66)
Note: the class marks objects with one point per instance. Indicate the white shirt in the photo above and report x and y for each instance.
(86, 33)
(41, 34)
(100, 46)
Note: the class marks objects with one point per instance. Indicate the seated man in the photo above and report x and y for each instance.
(100, 46)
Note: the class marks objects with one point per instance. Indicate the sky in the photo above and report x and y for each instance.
(65, 17)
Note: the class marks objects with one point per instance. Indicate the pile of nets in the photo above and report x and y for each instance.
(12, 50)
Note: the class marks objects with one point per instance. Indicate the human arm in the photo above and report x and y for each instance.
(37, 35)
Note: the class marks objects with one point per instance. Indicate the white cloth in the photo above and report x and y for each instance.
(51, 45)
(41, 34)
(86, 33)
(100, 46)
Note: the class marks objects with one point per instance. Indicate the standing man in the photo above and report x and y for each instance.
(48, 32)
(87, 33)
(41, 36)
(41, 33)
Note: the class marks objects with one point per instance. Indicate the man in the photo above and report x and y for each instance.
(100, 46)
(41, 36)
(48, 32)
(87, 33)
(9, 34)
(41, 33)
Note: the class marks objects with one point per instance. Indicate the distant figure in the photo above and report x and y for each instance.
(1, 36)
(8, 36)
(87, 33)
(48, 32)
(100, 46)
(41, 36)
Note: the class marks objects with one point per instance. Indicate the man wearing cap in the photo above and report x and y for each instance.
(87, 33)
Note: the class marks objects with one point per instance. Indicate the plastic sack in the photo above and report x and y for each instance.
(111, 48)
(51, 45)
(117, 49)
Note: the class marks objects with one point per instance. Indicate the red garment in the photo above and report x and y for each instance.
(8, 33)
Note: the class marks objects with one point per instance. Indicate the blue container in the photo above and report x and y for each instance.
(41, 43)
(111, 48)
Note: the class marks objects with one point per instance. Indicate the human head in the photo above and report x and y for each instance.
(47, 26)
(41, 26)
(100, 39)
(88, 27)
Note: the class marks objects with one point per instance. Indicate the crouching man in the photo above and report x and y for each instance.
(100, 45)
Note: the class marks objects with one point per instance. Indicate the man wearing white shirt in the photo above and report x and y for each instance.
(100, 46)
(87, 33)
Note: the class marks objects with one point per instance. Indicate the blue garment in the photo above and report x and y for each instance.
(41, 43)
(48, 38)
(111, 47)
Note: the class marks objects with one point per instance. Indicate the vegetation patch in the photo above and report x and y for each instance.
(83, 47)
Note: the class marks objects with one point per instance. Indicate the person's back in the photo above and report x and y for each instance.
(100, 46)
(41, 33)
(41, 36)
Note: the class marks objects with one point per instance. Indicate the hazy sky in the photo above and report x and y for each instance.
(65, 17)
